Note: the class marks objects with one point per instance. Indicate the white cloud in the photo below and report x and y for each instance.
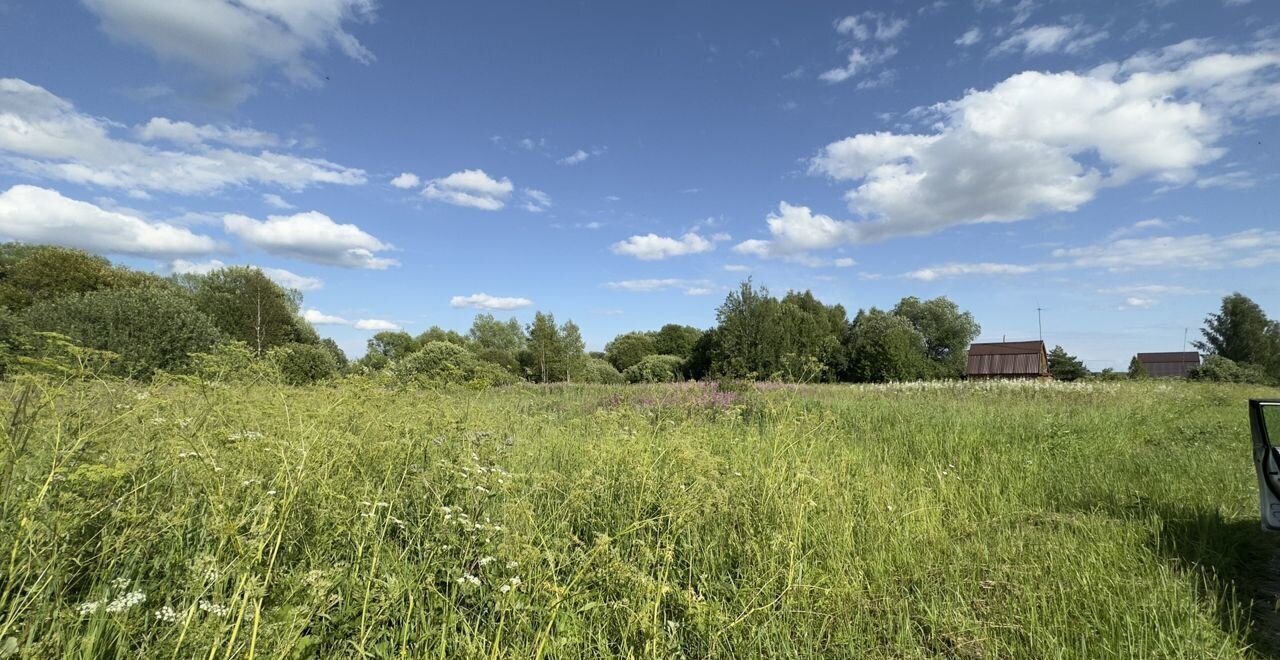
(406, 180)
(39, 215)
(375, 324)
(796, 230)
(690, 287)
(1046, 39)
(317, 317)
(844, 262)
(291, 280)
(574, 158)
(44, 136)
(275, 201)
(229, 41)
(536, 201)
(1245, 249)
(1134, 302)
(1139, 227)
(652, 247)
(311, 236)
(188, 134)
(486, 301)
(470, 188)
(959, 269)
(970, 37)
(861, 31)
(737, 268)
(1048, 142)
(1229, 180)
(1155, 290)
(284, 278)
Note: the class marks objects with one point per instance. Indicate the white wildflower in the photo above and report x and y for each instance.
(166, 614)
(85, 609)
(470, 579)
(485, 561)
(213, 608)
(120, 583)
(126, 601)
(513, 564)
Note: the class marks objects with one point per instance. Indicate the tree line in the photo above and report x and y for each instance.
(238, 319)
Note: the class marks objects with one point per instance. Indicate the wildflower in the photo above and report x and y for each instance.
(142, 396)
(470, 579)
(125, 601)
(120, 583)
(213, 608)
(271, 492)
(513, 583)
(513, 564)
(482, 489)
(485, 561)
(166, 614)
(86, 609)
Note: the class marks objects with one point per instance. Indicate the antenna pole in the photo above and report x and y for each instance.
(1184, 340)
(1039, 324)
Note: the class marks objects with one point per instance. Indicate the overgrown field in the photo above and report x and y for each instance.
(941, 520)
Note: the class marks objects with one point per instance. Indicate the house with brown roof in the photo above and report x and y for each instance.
(1169, 365)
(1007, 359)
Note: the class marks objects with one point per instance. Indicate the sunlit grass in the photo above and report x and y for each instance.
(983, 520)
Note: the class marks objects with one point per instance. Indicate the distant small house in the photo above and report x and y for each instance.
(1007, 359)
(1169, 365)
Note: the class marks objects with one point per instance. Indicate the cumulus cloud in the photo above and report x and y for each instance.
(1048, 142)
(652, 247)
(317, 317)
(865, 36)
(1045, 39)
(486, 301)
(796, 230)
(311, 236)
(406, 180)
(45, 136)
(470, 188)
(690, 287)
(574, 158)
(229, 41)
(1134, 302)
(39, 215)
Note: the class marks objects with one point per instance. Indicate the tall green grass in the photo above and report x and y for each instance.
(911, 521)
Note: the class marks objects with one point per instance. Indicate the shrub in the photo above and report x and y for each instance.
(1218, 369)
(233, 362)
(437, 361)
(302, 364)
(150, 328)
(598, 371)
(654, 369)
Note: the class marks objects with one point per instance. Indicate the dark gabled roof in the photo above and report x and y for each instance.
(1008, 358)
(1007, 348)
(1191, 356)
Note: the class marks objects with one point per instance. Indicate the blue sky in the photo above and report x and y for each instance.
(624, 165)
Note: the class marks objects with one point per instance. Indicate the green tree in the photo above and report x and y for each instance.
(249, 307)
(1239, 332)
(1218, 369)
(629, 348)
(339, 357)
(655, 369)
(598, 371)
(884, 347)
(1066, 367)
(388, 346)
(572, 348)
(150, 328)
(29, 273)
(1136, 368)
(759, 336)
(303, 364)
(675, 339)
(544, 347)
(436, 333)
(947, 331)
(488, 333)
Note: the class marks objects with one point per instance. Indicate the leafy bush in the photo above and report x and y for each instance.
(1218, 369)
(302, 364)
(598, 371)
(150, 328)
(437, 361)
(233, 362)
(654, 369)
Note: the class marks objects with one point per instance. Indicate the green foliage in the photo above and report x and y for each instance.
(1063, 366)
(762, 337)
(1110, 375)
(489, 334)
(885, 347)
(1136, 368)
(597, 371)
(303, 364)
(149, 328)
(233, 362)
(388, 346)
(630, 348)
(437, 361)
(248, 306)
(436, 333)
(655, 369)
(1218, 369)
(677, 340)
(947, 332)
(552, 353)
(30, 273)
(339, 357)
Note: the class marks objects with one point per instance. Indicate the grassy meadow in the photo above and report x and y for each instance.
(986, 520)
